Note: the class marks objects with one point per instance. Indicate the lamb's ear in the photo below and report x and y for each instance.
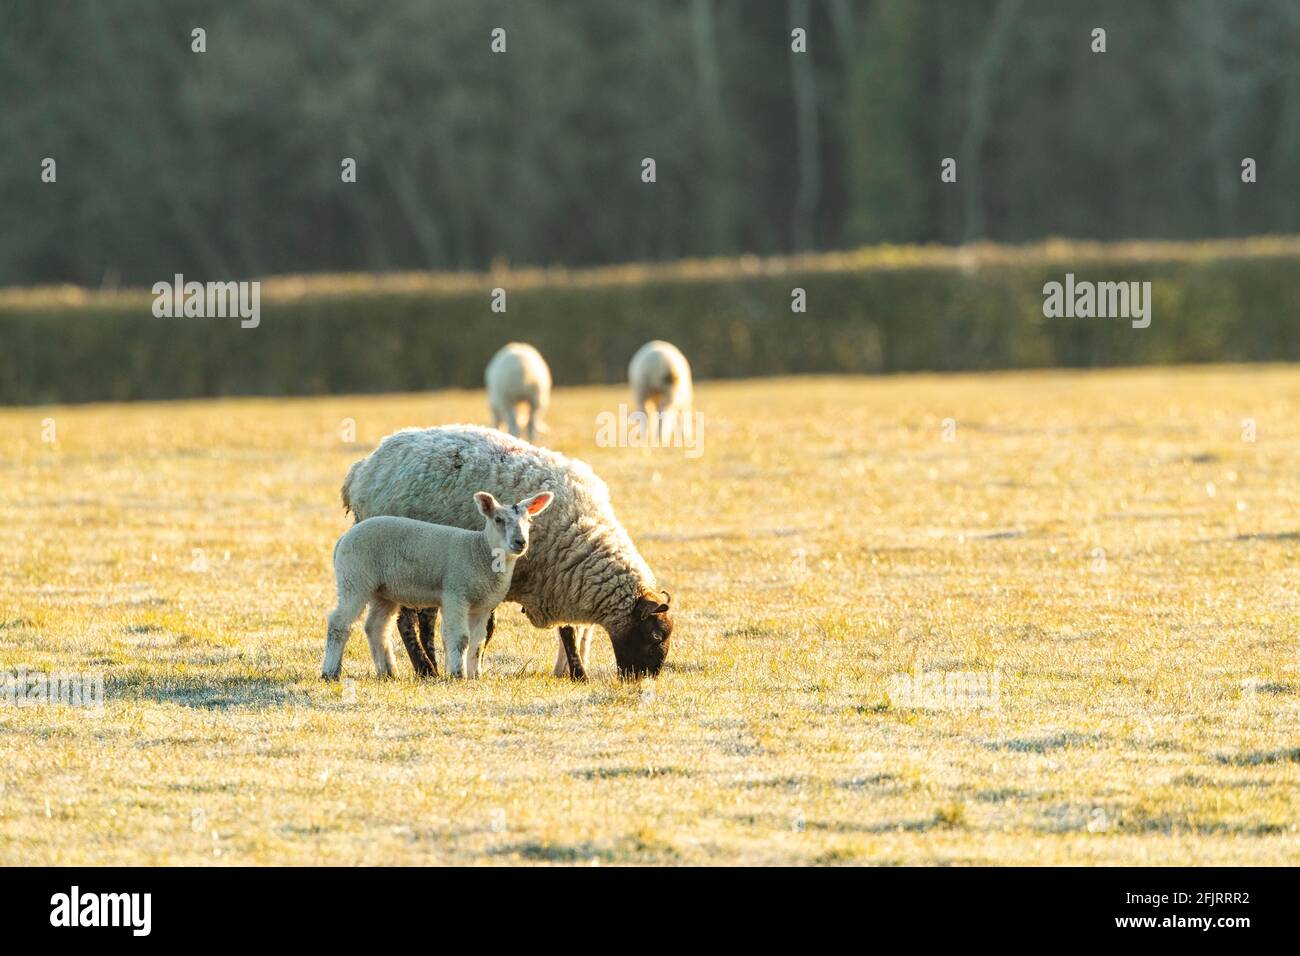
(487, 505)
(538, 503)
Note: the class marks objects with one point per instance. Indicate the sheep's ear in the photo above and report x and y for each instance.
(487, 505)
(647, 605)
(538, 503)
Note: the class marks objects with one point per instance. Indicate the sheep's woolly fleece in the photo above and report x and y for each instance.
(518, 373)
(581, 566)
(660, 369)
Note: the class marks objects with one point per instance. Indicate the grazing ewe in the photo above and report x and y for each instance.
(389, 562)
(518, 375)
(659, 373)
(583, 569)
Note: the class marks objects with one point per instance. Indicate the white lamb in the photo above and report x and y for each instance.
(659, 373)
(518, 375)
(390, 562)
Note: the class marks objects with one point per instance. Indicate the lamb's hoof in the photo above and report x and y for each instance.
(578, 674)
(329, 678)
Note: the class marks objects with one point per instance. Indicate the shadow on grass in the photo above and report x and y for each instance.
(638, 847)
(1039, 745)
(559, 852)
(945, 818)
(1259, 757)
(636, 773)
(688, 667)
(205, 693)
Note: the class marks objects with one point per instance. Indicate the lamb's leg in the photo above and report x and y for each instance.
(573, 662)
(455, 637)
(491, 626)
(424, 663)
(539, 414)
(668, 426)
(512, 419)
(532, 423)
(340, 621)
(474, 652)
(428, 618)
(642, 432)
(381, 612)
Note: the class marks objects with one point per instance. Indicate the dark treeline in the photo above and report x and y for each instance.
(227, 163)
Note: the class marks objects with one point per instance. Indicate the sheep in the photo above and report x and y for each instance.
(659, 373)
(388, 562)
(518, 375)
(582, 569)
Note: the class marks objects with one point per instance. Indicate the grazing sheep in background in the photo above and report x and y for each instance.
(518, 375)
(388, 562)
(582, 567)
(659, 373)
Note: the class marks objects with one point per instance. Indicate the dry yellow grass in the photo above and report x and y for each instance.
(828, 538)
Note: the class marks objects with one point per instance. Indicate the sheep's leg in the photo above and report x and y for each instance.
(340, 621)
(428, 618)
(569, 662)
(381, 612)
(642, 433)
(474, 652)
(675, 424)
(668, 426)
(503, 416)
(539, 415)
(455, 637)
(584, 645)
(511, 417)
(491, 627)
(532, 423)
(421, 655)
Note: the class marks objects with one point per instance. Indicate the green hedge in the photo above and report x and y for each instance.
(884, 310)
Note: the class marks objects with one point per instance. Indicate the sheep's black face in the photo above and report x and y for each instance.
(641, 648)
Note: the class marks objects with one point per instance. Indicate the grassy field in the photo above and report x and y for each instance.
(1105, 554)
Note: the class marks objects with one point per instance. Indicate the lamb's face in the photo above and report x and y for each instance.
(507, 526)
(641, 648)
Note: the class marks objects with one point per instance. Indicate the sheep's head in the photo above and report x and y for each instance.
(507, 525)
(641, 646)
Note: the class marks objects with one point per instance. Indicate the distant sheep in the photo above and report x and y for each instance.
(659, 373)
(388, 562)
(582, 567)
(518, 375)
